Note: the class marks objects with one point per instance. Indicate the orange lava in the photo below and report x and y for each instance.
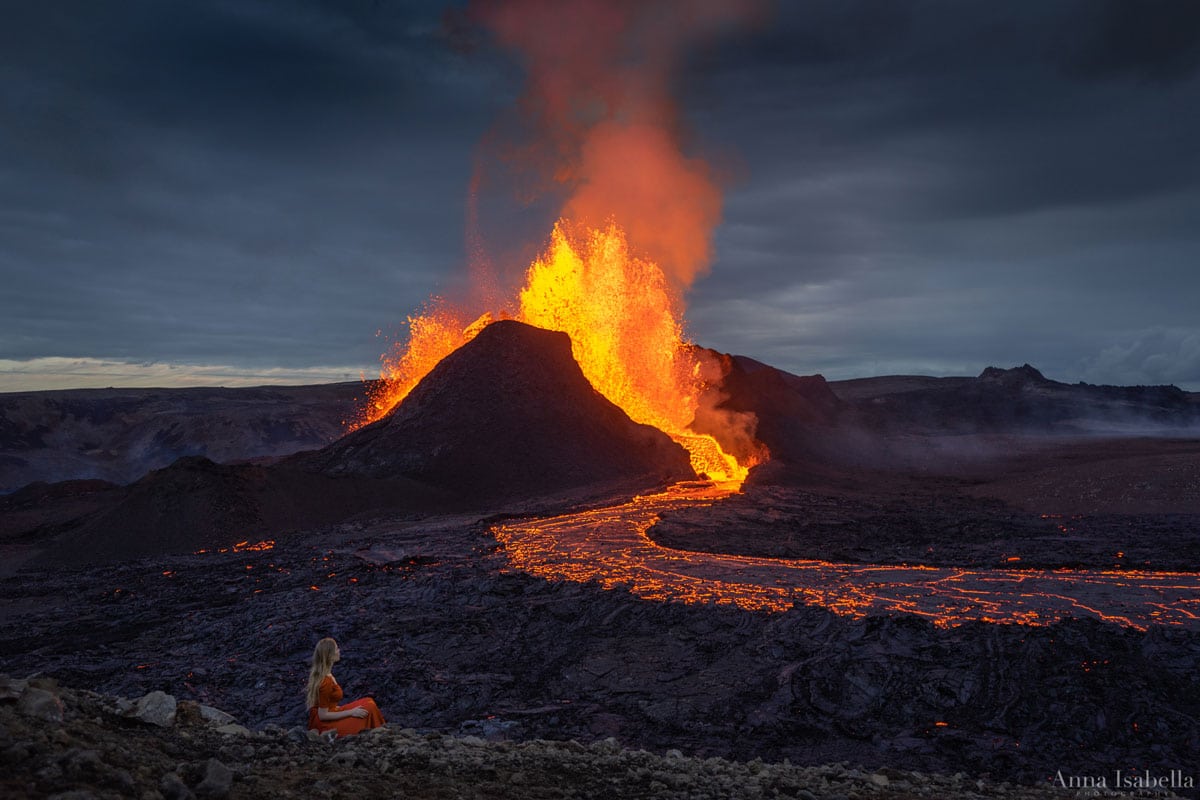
(626, 335)
(609, 546)
(432, 335)
(624, 320)
(242, 547)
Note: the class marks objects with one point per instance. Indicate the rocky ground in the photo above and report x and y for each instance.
(970, 501)
(935, 525)
(65, 743)
(570, 677)
(447, 639)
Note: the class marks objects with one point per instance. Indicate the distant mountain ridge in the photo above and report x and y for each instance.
(1016, 400)
(119, 435)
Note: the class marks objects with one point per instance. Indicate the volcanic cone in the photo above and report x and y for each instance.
(508, 415)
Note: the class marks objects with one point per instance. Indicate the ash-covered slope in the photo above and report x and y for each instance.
(118, 435)
(508, 415)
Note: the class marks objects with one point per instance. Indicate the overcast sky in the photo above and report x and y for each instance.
(232, 191)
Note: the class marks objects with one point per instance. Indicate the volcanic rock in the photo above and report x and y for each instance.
(40, 704)
(11, 688)
(218, 779)
(508, 415)
(794, 412)
(795, 418)
(463, 637)
(195, 504)
(124, 761)
(215, 716)
(1022, 375)
(155, 708)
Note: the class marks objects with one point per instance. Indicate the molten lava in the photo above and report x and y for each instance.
(626, 333)
(432, 335)
(609, 546)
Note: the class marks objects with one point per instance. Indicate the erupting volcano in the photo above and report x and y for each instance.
(634, 229)
(559, 522)
(625, 335)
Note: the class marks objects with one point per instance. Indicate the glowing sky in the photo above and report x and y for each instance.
(245, 191)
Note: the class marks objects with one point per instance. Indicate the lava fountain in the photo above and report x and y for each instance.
(635, 226)
(625, 332)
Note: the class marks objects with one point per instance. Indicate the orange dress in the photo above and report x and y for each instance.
(328, 697)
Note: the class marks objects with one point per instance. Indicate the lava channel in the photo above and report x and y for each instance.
(610, 547)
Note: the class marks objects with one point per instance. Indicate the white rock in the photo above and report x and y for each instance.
(215, 716)
(233, 729)
(155, 708)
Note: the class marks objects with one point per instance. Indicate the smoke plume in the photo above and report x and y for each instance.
(599, 124)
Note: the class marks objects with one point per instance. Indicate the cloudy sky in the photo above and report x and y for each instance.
(247, 191)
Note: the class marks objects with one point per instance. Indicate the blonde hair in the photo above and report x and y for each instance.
(322, 665)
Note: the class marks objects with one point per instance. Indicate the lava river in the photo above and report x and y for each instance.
(610, 547)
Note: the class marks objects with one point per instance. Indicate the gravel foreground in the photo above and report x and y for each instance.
(64, 743)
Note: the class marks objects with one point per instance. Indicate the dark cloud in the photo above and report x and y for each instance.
(941, 192)
(1152, 356)
(911, 186)
(1149, 40)
(216, 182)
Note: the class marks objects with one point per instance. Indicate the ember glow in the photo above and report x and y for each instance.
(610, 546)
(245, 546)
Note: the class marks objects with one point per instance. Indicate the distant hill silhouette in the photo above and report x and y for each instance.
(1016, 400)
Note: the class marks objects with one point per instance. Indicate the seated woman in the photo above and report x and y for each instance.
(324, 694)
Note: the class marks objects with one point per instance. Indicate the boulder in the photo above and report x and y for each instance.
(217, 781)
(155, 708)
(215, 716)
(40, 704)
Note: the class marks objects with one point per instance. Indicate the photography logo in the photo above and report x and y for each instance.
(1125, 783)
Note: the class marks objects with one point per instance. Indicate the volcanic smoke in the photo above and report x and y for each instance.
(635, 227)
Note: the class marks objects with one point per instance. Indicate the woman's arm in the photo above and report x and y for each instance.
(325, 715)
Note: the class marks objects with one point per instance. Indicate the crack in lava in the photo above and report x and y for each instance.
(609, 546)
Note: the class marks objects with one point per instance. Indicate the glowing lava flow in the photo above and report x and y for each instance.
(610, 546)
(625, 329)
